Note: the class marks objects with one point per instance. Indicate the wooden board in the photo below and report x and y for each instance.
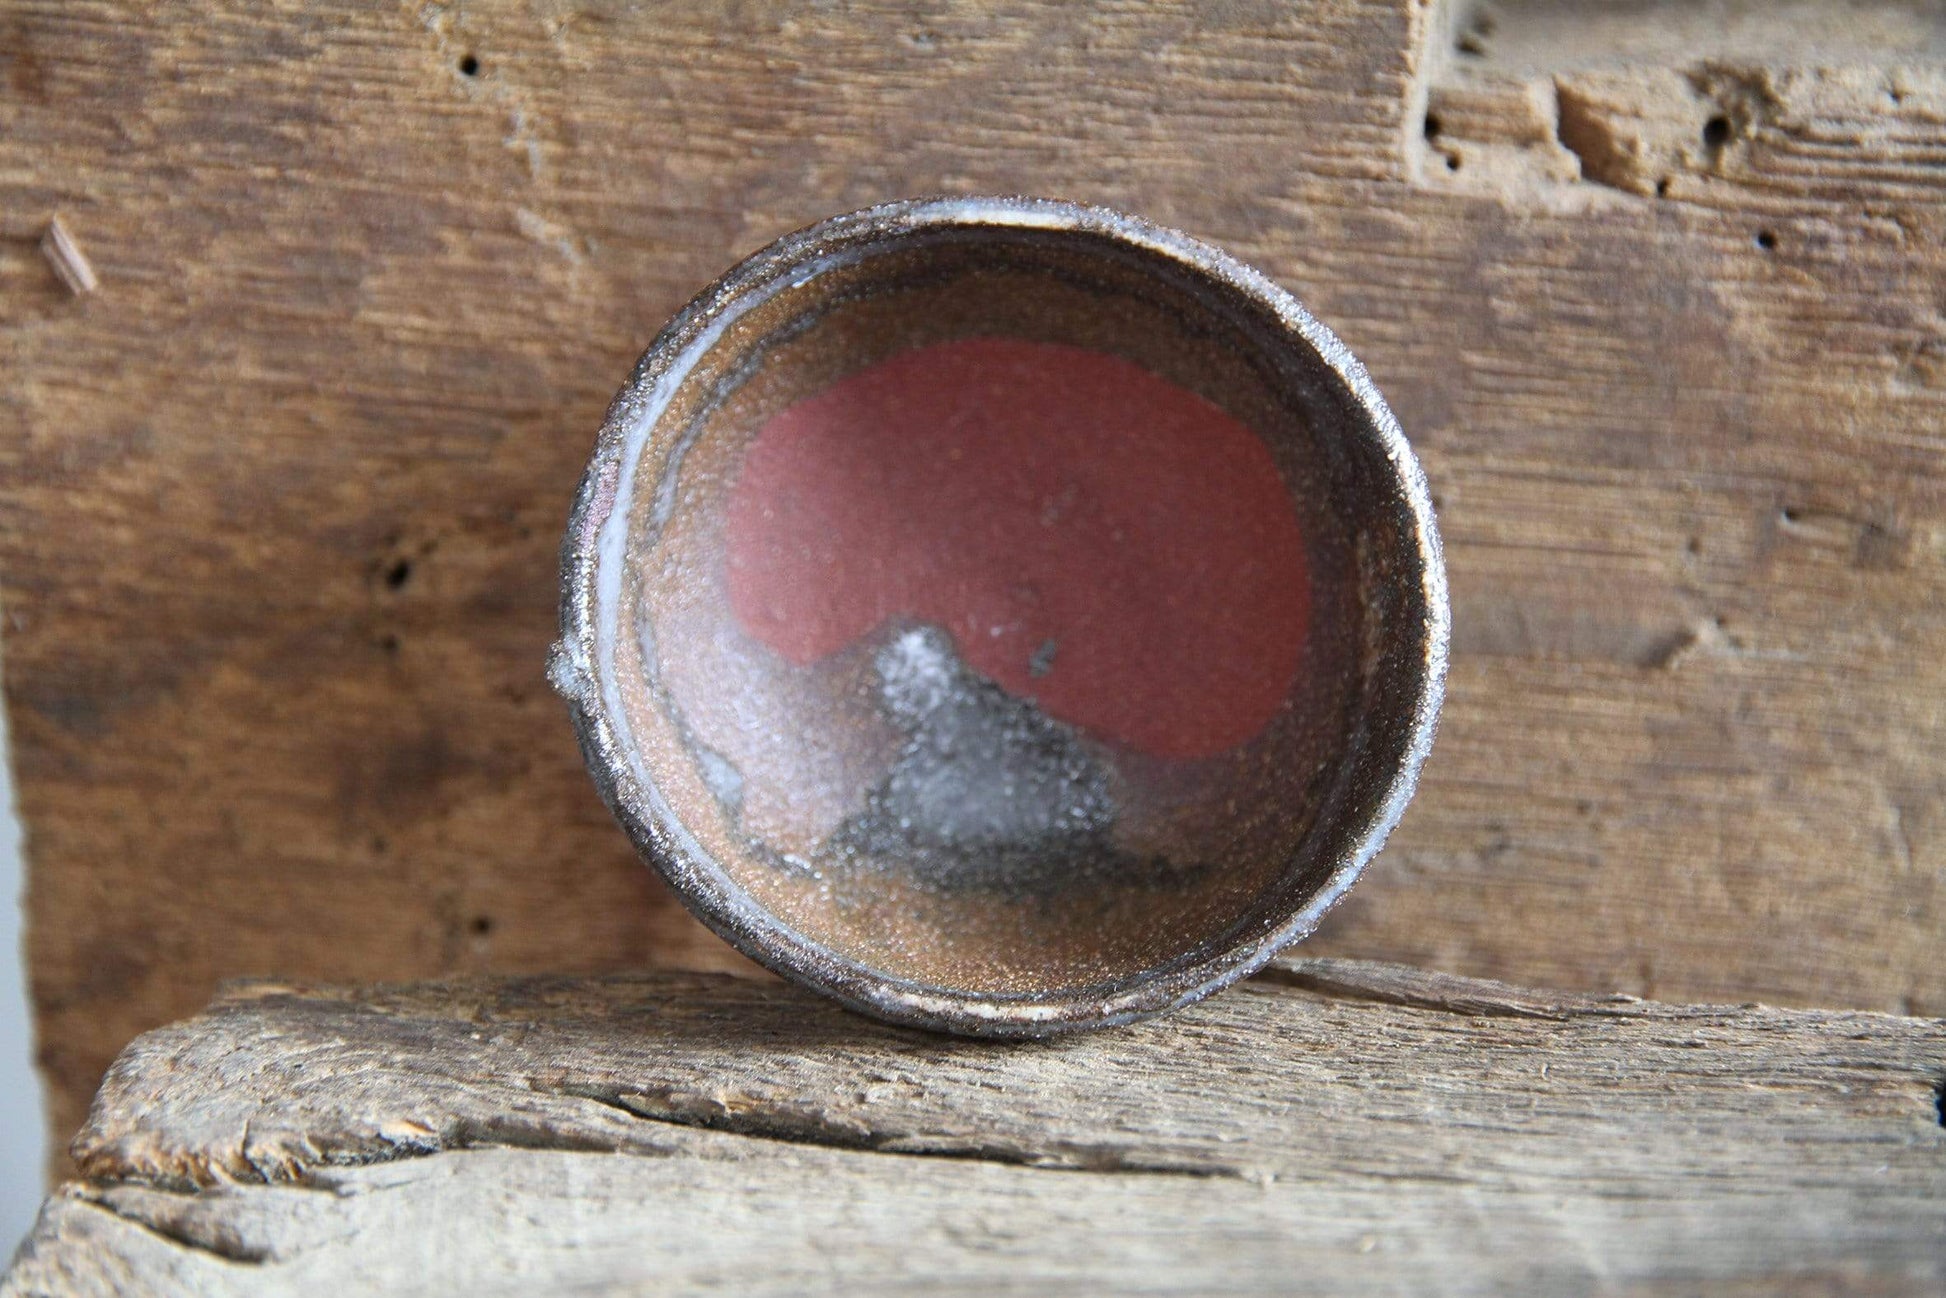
(1332, 1127)
(280, 497)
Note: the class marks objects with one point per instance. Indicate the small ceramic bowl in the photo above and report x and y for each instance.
(1004, 615)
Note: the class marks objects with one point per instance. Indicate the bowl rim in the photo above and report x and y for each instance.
(597, 528)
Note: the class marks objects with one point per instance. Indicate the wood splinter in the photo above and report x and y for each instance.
(67, 259)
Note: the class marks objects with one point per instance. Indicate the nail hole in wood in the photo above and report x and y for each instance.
(398, 574)
(1716, 131)
(1766, 240)
(469, 66)
(1432, 126)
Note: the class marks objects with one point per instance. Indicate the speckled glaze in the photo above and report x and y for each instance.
(1390, 676)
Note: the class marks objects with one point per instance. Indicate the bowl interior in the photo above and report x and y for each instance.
(1014, 612)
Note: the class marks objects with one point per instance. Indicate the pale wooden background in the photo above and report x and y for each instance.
(279, 501)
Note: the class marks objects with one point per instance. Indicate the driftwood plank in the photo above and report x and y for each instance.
(280, 498)
(1331, 1125)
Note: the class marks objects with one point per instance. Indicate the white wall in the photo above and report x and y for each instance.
(22, 1128)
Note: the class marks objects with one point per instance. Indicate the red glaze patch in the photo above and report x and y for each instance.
(1096, 539)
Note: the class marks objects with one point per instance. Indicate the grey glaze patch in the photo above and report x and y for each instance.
(987, 790)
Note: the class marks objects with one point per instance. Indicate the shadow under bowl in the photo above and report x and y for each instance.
(1003, 615)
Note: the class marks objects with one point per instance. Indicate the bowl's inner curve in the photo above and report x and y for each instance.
(995, 627)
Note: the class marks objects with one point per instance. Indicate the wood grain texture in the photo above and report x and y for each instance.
(1331, 1126)
(279, 501)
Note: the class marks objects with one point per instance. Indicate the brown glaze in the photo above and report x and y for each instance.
(782, 567)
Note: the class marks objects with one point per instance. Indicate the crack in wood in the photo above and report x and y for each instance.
(1659, 98)
(218, 1242)
(800, 1126)
(1452, 993)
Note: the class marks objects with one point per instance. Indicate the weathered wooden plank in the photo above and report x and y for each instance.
(1332, 1125)
(279, 499)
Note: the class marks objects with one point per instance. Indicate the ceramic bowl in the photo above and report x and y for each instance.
(1002, 614)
